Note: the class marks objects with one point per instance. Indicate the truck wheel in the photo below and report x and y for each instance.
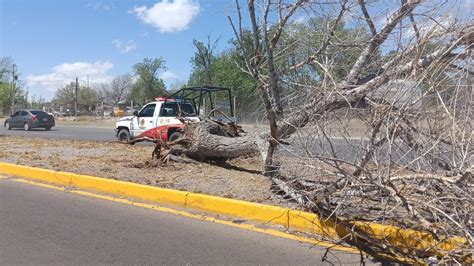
(123, 135)
(174, 136)
(7, 125)
(26, 127)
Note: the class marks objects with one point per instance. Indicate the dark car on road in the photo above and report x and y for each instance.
(28, 119)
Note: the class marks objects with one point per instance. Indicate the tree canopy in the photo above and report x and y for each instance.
(86, 99)
(224, 69)
(6, 64)
(148, 85)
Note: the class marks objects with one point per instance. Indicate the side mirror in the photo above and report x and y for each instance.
(135, 113)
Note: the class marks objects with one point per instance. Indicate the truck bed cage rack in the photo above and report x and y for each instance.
(199, 93)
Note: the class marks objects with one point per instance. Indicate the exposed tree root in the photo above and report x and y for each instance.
(207, 140)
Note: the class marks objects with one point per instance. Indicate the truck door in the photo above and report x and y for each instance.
(145, 120)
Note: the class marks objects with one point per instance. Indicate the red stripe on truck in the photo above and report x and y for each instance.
(159, 132)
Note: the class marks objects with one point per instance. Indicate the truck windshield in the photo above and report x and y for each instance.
(170, 109)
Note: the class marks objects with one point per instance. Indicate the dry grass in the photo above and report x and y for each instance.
(238, 179)
(89, 121)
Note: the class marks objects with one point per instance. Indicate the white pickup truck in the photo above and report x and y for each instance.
(156, 120)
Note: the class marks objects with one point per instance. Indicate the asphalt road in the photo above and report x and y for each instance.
(45, 226)
(65, 132)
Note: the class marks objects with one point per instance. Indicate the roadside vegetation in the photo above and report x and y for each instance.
(6, 92)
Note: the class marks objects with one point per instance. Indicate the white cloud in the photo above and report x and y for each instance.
(101, 5)
(168, 75)
(66, 73)
(168, 16)
(125, 46)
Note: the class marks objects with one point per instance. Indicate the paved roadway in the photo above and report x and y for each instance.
(66, 132)
(45, 226)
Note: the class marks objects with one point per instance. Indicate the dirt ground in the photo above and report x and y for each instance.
(86, 121)
(239, 179)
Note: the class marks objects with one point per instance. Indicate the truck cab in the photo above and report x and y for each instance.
(156, 120)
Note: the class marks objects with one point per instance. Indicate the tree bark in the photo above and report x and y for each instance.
(210, 140)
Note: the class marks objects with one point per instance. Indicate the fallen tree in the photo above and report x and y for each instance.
(411, 162)
(208, 140)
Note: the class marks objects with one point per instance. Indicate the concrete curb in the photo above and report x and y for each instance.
(406, 241)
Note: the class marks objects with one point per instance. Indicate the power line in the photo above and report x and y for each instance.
(49, 81)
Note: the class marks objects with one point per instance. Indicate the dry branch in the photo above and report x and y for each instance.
(412, 165)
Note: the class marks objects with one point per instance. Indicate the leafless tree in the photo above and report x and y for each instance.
(372, 126)
(391, 140)
(117, 90)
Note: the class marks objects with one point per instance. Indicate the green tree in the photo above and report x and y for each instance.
(6, 64)
(5, 97)
(65, 96)
(224, 70)
(227, 73)
(202, 62)
(87, 98)
(300, 42)
(148, 85)
(297, 44)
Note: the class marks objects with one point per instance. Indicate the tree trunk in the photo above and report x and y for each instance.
(210, 140)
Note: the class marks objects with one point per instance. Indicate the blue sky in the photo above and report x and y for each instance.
(52, 41)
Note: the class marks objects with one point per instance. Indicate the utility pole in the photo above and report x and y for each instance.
(233, 107)
(27, 92)
(76, 98)
(14, 78)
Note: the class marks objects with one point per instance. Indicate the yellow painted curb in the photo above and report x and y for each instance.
(406, 241)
